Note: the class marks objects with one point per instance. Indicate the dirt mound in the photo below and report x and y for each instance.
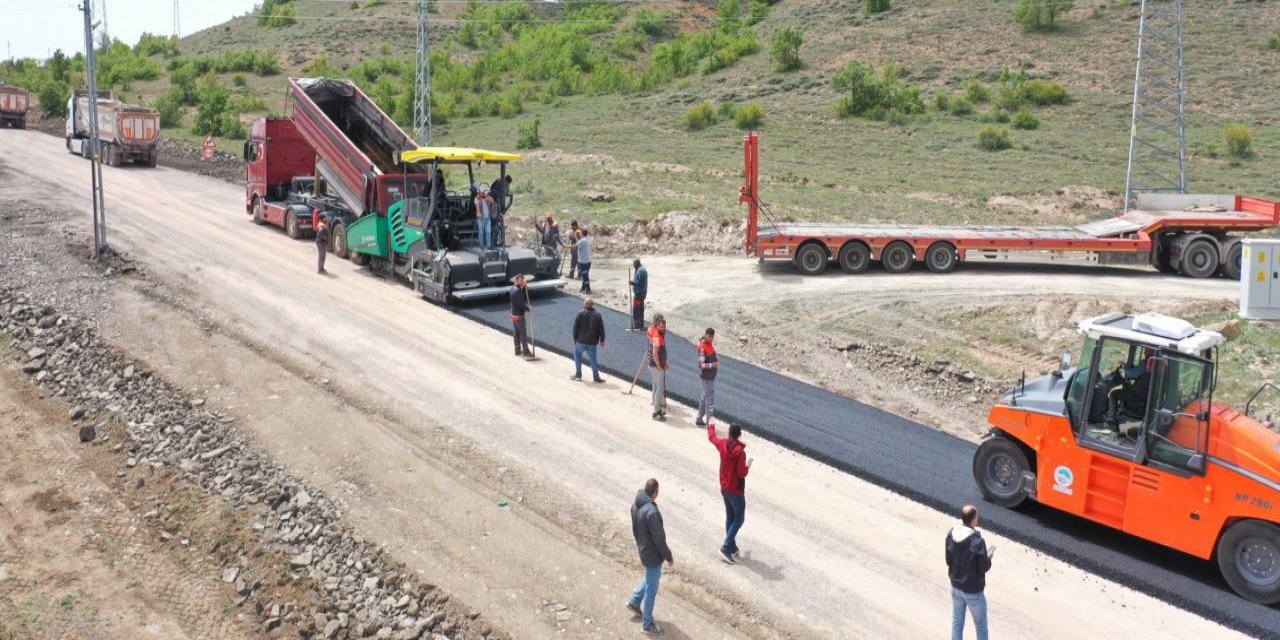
(1067, 202)
(673, 232)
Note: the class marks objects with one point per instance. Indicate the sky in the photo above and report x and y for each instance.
(35, 28)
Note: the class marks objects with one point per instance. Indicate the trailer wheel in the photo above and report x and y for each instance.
(340, 241)
(941, 257)
(1199, 259)
(811, 259)
(257, 210)
(855, 257)
(897, 257)
(1249, 558)
(291, 225)
(999, 466)
(1231, 266)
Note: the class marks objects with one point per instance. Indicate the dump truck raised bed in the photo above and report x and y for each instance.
(127, 132)
(1189, 235)
(14, 104)
(1132, 439)
(340, 158)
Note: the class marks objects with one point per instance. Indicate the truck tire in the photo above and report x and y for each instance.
(811, 259)
(897, 257)
(340, 241)
(22, 123)
(999, 468)
(1231, 255)
(113, 156)
(257, 210)
(70, 150)
(153, 158)
(1249, 558)
(941, 257)
(291, 225)
(855, 257)
(1199, 259)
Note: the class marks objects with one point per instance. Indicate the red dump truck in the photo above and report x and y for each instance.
(126, 132)
(1190, 235)
(14, 103)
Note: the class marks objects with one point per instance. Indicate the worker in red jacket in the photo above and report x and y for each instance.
(734, 465)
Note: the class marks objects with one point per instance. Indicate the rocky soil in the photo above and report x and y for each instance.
(299, 569)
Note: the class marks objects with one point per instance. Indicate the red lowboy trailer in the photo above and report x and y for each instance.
(1175, 233)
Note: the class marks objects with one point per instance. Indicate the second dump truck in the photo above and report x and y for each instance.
(126, 132)
(388, 201)
(14, 104)
(1189, 235)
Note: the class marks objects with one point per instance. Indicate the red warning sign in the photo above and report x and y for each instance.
(209, 147)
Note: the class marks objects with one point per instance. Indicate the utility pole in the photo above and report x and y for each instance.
(95, 166)
(422, 89)
(1158, 130)
(177, 26)
(102, 16)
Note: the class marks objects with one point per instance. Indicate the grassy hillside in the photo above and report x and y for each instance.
(628, 139)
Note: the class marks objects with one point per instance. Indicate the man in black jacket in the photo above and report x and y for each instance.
(968, 560)
(651, 542)
(322, 244)
(588, 336)
(519, 307)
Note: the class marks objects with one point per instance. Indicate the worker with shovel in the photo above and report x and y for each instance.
(519, 308)
(640, 289)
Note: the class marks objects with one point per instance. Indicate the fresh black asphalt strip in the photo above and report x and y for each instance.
(919, 462)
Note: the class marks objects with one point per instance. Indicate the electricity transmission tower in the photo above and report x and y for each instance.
(95, 166)
(1158, 131)
(422, 89)
(177, 26)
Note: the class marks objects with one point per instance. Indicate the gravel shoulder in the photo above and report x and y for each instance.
(426, 425)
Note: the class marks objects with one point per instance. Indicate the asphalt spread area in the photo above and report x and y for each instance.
(921, 463)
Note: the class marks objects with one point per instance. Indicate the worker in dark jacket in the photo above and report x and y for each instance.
(968, 560)
(639, 290)
(549, 234)
(734, 466)
(588, 336)
(651, 542)
(520, 307)
(322, 244)
(501, 192)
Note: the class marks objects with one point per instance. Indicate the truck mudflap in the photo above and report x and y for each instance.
(502, 290)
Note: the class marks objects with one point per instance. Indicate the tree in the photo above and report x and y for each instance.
(785, 49)
(877, 6)
(1041, 15)
(53, 98)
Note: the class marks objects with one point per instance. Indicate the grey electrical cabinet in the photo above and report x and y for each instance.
(1260, 279)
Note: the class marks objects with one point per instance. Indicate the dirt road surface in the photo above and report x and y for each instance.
(504, 482)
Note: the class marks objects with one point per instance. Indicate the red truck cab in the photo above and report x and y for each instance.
(278, 161)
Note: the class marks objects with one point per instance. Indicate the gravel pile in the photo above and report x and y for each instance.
(224, 166)
(359, 593)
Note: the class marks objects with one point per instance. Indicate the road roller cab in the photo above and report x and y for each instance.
(1131, 438)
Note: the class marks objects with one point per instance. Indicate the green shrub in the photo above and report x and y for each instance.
(274, 14)
(977, 92)
(238, 80)
(873, 95)
(942, 102)
(727, 110)
(510, 106)
(757, 11)
(1024, 119)
(1239, 140)
(877, 6)
(53, 97)
(214, 113)
(1274, 42)
(993, 138)
(169, 106)
(528, 137)
(153, 45)
(1040, 15)
(729, 16)
(784, 50)
(700, 116)
(749, 116)
(654, 24)
(960, 106)
(1043, 93)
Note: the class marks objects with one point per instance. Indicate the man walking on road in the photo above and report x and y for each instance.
(584, 260)
(708, 367)
(658, 364)
(968, 560)
(322, 244)
(588, 335)
(651, 542)
(734, 466)
(639, 289)
(519, 307)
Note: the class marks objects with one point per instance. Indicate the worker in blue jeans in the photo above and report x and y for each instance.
(651, 542)
(588, 337)
(968, 560)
